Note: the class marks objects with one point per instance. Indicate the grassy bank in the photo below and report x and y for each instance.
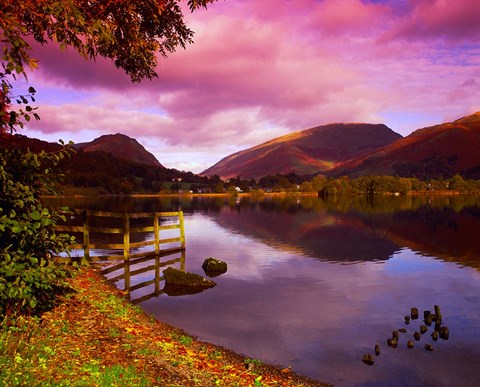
(94, 337)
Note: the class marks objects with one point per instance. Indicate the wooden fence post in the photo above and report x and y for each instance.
(126, 236)
(157, 233)
(86, 235)
(182, 260)
(157, 274)
(126, 276)
(182, 229)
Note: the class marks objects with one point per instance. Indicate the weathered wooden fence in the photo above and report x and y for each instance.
(87, 228)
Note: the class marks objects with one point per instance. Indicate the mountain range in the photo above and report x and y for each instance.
(306, 152)
(335, 150)
(363, 149)
(436, 151)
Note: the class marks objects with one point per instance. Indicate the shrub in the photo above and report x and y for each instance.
(29, 277)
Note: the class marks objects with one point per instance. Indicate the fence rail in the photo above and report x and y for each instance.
(87, 229)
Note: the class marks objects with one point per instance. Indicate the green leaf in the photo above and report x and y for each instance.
(16, 229)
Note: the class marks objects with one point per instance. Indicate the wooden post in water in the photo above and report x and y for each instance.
(157, 274)
(182, 229)
(182, 260)
(156, 231)
(126, 236)
(86, 235)
(126, 250)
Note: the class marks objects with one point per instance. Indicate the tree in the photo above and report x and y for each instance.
(130, 33)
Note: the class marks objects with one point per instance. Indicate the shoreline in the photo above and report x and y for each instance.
(94, 333)
(266, 194)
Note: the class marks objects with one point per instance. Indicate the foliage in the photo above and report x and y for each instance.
(74, 346)
(128, 32)
(373, 185)
(27, 274)
(435, 167)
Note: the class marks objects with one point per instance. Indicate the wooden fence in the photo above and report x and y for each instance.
(88, 227)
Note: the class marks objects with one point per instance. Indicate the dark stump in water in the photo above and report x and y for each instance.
(179, 283)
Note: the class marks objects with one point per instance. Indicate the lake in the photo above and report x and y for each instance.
(316, 284)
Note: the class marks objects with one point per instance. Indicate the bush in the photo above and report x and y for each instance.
(29, 277)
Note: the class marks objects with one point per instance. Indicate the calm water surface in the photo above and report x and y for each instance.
(316, 284)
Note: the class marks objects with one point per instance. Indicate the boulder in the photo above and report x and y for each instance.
(178, 282)
(214, 267)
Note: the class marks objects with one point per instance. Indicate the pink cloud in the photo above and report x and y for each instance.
(449, 20)
(348, 17)
(260, 69)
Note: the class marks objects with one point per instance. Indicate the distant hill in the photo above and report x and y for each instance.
(121, 147)
(95, 168)
(306, 152)
(19, 141)
(433, 152)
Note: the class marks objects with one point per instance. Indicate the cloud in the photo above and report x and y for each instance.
(452, 21)
(261, 69)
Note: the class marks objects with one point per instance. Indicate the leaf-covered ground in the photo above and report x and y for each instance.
(94, 337)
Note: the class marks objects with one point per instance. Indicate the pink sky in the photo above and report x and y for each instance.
(261, 69)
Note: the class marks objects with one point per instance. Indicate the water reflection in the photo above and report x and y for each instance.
(316, 284)
(141, 278)
(363, 230)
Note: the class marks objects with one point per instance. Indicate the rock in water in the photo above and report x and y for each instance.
(178, 282)
(444, 333)
(414, 313)
(368, 359)
(214, 267)
(392, 343)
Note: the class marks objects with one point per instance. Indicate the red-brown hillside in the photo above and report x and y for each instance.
(437, 151)
(121, 147)
(306, 152)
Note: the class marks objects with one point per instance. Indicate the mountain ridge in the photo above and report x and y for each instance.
(436, 151)
(122, 147)
(309, 151)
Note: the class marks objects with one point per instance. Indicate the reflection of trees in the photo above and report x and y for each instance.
(437, 225)
(286, 225)
(449, 232)
(359, 228)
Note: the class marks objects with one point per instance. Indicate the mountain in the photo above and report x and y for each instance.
(433, 152)
(19, 141)
(306, 152)
(121, 147)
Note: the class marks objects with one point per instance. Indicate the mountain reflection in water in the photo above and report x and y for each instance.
(316, 284)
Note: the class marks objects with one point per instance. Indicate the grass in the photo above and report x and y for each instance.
(94, 337)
